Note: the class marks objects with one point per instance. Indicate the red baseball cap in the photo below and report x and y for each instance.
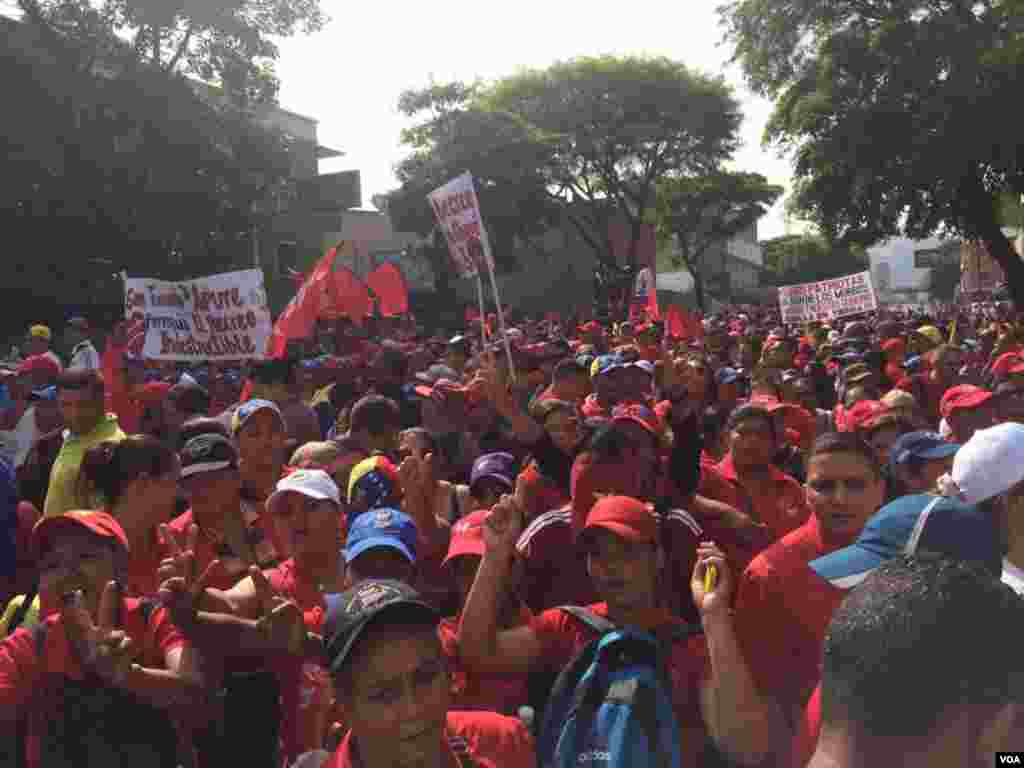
(154, 391)
(591, 327)
(963, 396)
(96, 522)
(624, 516)
(639, 414)
(467, 536)
(1008, 363)
(862, 415)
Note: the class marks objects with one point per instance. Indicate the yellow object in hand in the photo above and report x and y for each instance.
(710, 578)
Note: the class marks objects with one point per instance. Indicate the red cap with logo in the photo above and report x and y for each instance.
(468, 536)
(963, 396)
(99, 523)
(624, 516)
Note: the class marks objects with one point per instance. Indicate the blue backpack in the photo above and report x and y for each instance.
(611, 707)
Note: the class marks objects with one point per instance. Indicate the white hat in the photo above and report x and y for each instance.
(314, 483)
(990, 463)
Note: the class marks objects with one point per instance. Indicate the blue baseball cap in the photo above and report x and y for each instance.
(727, 376)
(382, 527)
(922, 445)
(605, 364)
(910, 525)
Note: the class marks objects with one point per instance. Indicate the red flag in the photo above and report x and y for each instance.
(675, 325)
(387, 283)
(298, 318)
(350, 298)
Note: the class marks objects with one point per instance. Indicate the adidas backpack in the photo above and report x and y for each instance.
(612, 704)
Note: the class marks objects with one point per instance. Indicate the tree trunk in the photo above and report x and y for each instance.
(698, 289)
(1001, 249)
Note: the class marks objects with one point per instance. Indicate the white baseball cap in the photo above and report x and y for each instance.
(313, 483)
(990, 463)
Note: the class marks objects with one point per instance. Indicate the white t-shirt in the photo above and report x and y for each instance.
(1013, 577)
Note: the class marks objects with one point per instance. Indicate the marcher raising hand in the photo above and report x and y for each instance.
(100, 646)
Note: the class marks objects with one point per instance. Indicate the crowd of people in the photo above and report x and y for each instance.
(751, 545)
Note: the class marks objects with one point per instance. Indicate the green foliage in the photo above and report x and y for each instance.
(113, 163)
(809, 258)
(582, 142)
(903, 115)
(700, 211)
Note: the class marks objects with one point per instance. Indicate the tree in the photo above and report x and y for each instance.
(114, 163)
(616, 126)
(700, 211)
(809, 258)
(902, 114)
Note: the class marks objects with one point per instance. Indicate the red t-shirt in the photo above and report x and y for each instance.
(488, 739)
(23, 673)
(474, 692)
(782, 611)
(783, 508)
(555, 570)
(808, 728)
(562, 636)
(304, 682)
(592, 409)
(233, 569)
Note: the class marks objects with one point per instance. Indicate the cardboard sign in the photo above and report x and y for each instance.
(828, 300)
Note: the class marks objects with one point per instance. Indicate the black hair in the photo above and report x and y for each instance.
(110, 467)
(712, 423)
(275, 371)
(846, 442)
(192, 399)
(748, 412)
(433, 446)
(568, 368)
(903, 649)
(375, 414)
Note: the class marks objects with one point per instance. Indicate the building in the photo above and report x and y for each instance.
(901, 268)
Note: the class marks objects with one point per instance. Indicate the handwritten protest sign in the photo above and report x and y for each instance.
(220, 317)
(829, 299)
(458, 212)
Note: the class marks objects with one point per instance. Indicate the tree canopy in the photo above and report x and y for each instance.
(700, 211)
(116, 162)
(902, 114)
(582, 142)
(808, 258)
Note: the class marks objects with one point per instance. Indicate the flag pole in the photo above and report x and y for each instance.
(488, 258)
(483, 316)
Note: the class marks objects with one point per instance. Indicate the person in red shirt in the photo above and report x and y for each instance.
(210, 478)
(137, 478)
(259, 431)
(570, 382)
(754, 485)
(938, 526)
(101, 647)
(494, 693)
(895, 353)
(928, 387)
(713, 692)
(782, 607)
(392, 682)
(966, 409)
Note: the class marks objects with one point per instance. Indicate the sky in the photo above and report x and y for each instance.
(349, 76)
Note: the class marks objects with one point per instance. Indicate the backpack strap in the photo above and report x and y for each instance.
(599, 624)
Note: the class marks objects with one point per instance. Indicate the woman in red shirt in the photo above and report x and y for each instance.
(111, 656)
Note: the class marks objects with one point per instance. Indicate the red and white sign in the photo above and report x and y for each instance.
(458, 213)
(828, 300)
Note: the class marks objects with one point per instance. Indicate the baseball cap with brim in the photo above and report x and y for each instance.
(638, 414)
(468, 536)
(40, 332)
(496, 466)
(249, 409)
(914, 525)
(605, 364)
(96, 522)
(312, 483)
(375, 600)
(726, 375)
(629, 518)
(207, 453)
(921, 445)
(963, 397)
(384, 527)
(644, 365)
